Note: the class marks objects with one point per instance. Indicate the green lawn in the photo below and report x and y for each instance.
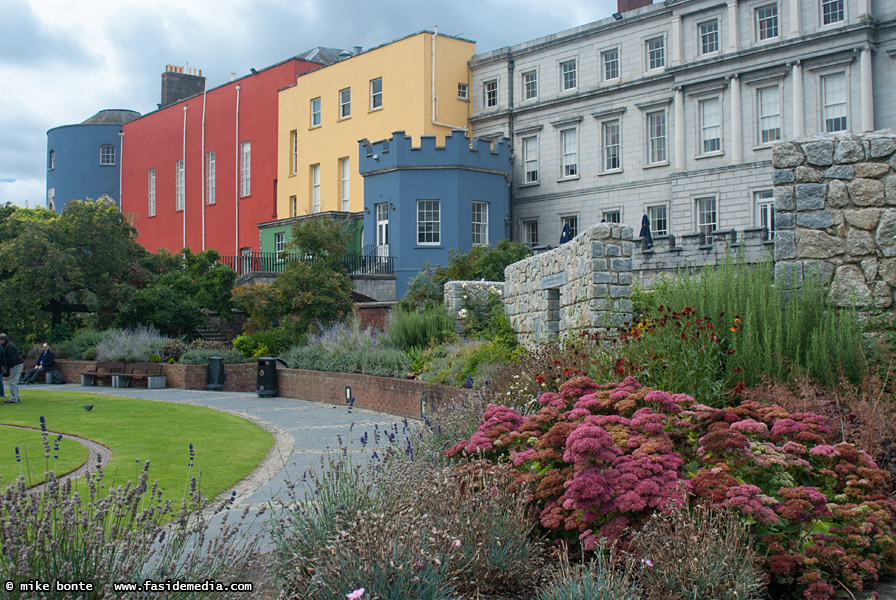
(32, 461)
(226, 447)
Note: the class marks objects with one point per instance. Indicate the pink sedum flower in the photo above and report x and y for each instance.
(356, 595)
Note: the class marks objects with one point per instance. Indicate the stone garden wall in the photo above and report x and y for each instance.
(835, 214)
(585, 284)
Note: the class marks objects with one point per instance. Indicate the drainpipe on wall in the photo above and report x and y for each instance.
(183, 158)
(508, 229)
(202, 187)
(120, 166)
(435, 99)
(237, 248)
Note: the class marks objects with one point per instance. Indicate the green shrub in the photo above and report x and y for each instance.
(599, 579)
(463, 363)
(201, 344)
(385, 362)
(82, 340)
(89, 354)
(314, 358)
(270, 342)
(173, 350)
(419, 328)
(201, 357)
(778, 332)
(131, 345)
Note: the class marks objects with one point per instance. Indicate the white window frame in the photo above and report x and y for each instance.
(826, 105)
(611, 212)
(293, 206)
(245, 169)
(376, 97)
(107, 155)
(210, 177)
(572, 221)
(52, 166)
(315, 112)
(655, 57)
(759, 18)
(569, 77)
(770, 117)
(530, 232)
(569, 157)
(525, 83)
(704, 208)
(652, 146)
(653, 211)
(345, 174)
(702, 37)
(480, 223)
(179, 181)
(151, 192)
(293, 152)
(530, 159)
(764, 201)
(315, 188)
(821, 12)
(490, 93)
(345, 103)
(425, 209)
(704, 130)
(279, 243)
(603, 64)
(605, 145)
(463, 91)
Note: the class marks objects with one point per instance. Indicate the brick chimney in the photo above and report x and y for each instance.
(179, 83)
(623, 6)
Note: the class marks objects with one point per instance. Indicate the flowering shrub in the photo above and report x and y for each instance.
(602, 458)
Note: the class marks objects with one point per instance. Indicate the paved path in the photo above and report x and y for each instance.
(303, 431)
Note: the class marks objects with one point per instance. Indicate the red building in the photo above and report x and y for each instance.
(202, 170)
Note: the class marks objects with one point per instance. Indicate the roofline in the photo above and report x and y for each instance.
(93, 124)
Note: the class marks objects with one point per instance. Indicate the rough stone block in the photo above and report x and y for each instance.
(613, 250)
(849, 287)
(866, 192)
(882, 147)
(599, 264)
(625, 278)
(821, 220)
(872, 169)
(626, 233)
(553, 281)
(786, 156)
(819, 153)
(785, 245)
(809, 196)
(837, 194)
(866, 218)
(819, 268)
(808, 175)
(890, 189)
(859, 243)
(601, 277)
(886, 233)
(597, 249)
(848, 151)
(784, 220)
(840, 172)
(818, 244)
(621, 264)
(783, 176)
(620, 291)
(783, 198)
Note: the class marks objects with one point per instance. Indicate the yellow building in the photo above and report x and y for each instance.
(419, 84)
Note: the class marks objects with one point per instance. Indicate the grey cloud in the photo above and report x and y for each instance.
(24, 41)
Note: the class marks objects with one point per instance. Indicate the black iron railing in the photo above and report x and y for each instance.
(272, 262)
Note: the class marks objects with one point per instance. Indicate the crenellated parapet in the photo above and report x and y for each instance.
(399, 152)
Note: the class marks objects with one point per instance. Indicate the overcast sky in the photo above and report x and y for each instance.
(61, 61)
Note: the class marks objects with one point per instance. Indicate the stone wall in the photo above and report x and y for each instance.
(694, 251)
(462, 296)
(584, 284)
(835, 214)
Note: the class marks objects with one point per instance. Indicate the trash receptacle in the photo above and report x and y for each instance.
(216, 375)
(267, 375)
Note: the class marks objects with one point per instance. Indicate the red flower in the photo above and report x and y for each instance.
(739, 388)
(731, 351)
(737, 370)
(539, 379)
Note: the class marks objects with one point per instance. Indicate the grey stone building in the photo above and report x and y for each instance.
(671, 109)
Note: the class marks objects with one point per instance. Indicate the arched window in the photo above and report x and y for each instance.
(107, 154)
(52, 161)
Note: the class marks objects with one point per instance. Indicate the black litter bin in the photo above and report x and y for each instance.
(267, 375)
(216, 375)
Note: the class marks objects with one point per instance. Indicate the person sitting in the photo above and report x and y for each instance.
(44, 363)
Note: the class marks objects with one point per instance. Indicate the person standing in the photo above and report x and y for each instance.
(13, 361)
(44, 363)
(2, 369)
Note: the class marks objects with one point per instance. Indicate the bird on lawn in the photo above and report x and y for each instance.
(88, 407)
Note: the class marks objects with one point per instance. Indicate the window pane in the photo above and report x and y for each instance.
(709, 37)
(491, 93)
(315, 188)
(832, 11)
(210, 177)
(659, 223)
(833, 91)
(569, 146)
(376, 93)
(612, 157)
(710, 124)
(151, 192)
(767, 22)
(769, 101)
(245, 168)
(573, 223)
(315, 112)
(480, 223)
(530, 85)
(345, 103)
(428, 222)
(656, 128)
(706, 215)
(530, 233)
(656, 53)
(345, 176)
(611, 64)
(568, 70)
(530, 159)
(107, 154)
(462, 91)
(179, 185)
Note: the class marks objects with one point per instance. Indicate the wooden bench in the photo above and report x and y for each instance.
(29, 364)
(151, 372)
(103, 369)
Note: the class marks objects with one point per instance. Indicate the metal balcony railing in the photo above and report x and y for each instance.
(272, 262)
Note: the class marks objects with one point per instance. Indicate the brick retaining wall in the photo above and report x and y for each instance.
(394, 396)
